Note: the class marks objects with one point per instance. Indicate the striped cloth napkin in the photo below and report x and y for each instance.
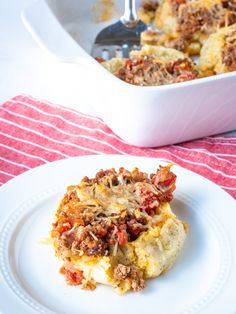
(33, 132)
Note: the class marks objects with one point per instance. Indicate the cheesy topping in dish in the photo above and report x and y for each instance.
(185, 24)
(153, 65)
(174, 26)
(218, 54)
(179, 26)
(118, 229)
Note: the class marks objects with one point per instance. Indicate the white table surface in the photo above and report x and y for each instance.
(27, 69)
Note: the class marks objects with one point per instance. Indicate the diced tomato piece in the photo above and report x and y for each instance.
(185, 77)
(122, 237)
(100, 60)
(135, 231)
(101, 232)
(149, 201)
(164, 177)
(169, 181)
(60, 227)
(150, 211)
(73, 277)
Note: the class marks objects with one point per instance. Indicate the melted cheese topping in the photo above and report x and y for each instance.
(114, 200)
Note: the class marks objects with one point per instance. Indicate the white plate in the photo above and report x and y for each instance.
(201, 281)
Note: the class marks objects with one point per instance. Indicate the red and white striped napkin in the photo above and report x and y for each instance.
(33, 132)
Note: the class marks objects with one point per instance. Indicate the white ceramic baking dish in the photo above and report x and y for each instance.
(142, 116)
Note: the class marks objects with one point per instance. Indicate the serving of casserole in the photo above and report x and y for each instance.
(118, 229)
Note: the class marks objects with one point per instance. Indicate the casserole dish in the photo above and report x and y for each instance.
(143, 116)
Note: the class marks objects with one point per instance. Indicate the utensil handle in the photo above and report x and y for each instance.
(130, 18)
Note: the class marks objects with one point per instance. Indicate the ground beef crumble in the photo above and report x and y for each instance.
(147, 71)
(122, 272)
(229, 52)
(191, 20)
(229, 4)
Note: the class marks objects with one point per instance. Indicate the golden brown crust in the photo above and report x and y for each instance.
(218, 54)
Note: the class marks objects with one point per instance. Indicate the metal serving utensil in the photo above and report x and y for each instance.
(118, 39)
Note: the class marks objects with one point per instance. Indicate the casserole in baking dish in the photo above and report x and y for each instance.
(143, 116)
